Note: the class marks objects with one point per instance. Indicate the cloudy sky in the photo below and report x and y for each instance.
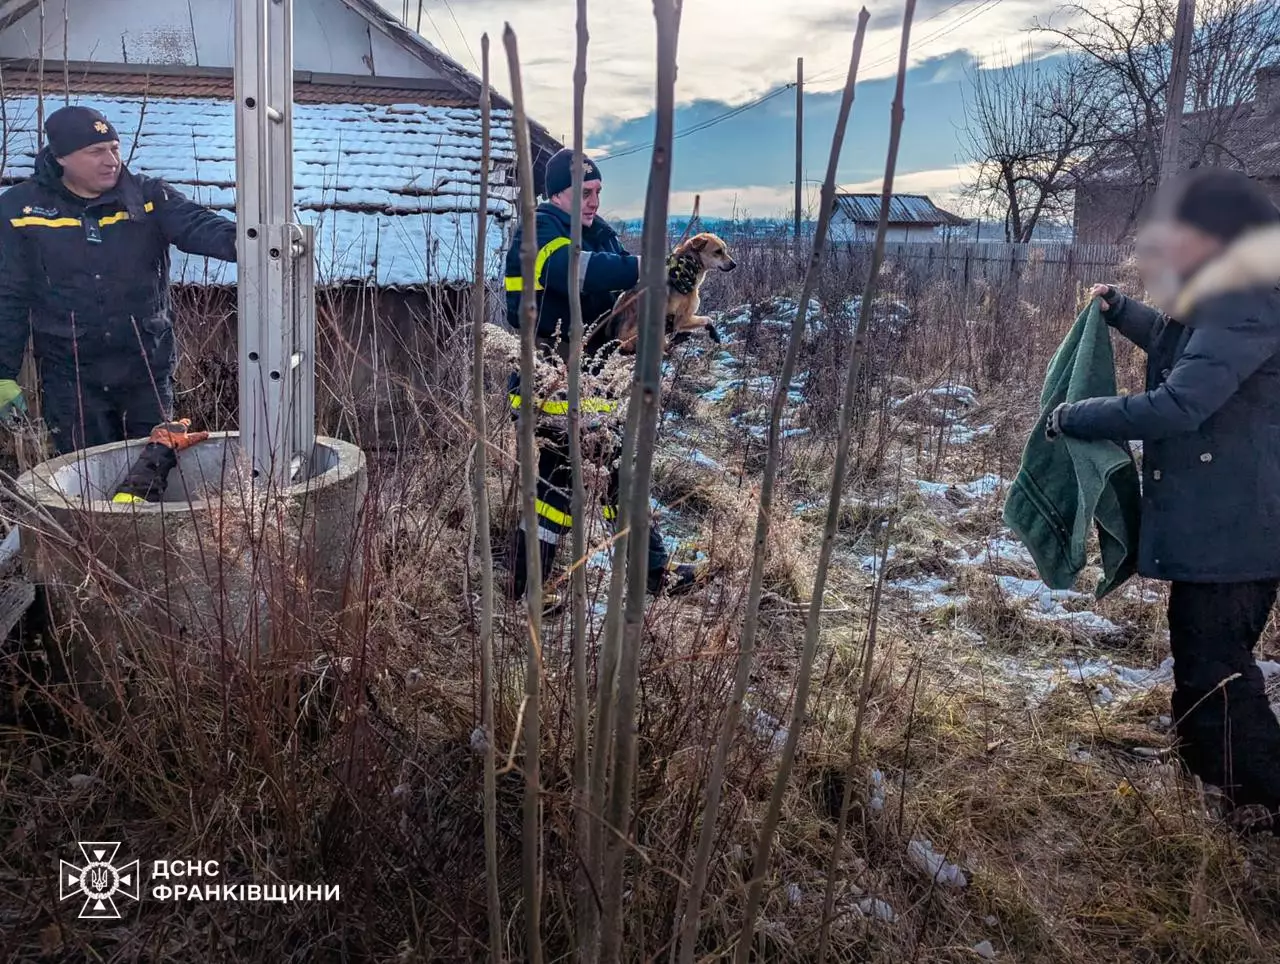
(733, 52)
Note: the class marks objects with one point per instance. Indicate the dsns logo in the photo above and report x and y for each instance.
(99, 881)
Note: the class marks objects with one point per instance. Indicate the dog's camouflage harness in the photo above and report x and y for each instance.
(682, 278)
(682, 272)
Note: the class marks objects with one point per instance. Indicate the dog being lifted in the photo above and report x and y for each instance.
(687, 267)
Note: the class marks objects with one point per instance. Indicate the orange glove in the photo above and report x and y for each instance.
(177, 435)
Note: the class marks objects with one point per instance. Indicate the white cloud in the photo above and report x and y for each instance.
(943, 185)
(729, 51)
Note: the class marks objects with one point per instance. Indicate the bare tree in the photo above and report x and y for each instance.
(1030, 126)
(1126, 48)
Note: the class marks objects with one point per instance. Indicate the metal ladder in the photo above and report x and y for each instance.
(276, 263)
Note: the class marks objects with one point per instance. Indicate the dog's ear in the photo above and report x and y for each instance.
(698, 243)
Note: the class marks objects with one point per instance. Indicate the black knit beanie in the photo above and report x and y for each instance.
(72, 129)
(560, 171)
(1220, 202)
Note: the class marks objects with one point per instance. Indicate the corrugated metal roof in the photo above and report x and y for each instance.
(392, 189)
(903, 209)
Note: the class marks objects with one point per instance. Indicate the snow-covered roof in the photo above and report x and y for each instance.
(392, 189)
(903, 209)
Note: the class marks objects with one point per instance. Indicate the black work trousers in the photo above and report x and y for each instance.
(554, 501)
(1227, 733)
(93, 393)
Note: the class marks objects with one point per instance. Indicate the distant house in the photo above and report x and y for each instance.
(912, 217)
(1110, 197)
(386, 127)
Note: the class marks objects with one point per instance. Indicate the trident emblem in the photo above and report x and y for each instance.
(99, 881)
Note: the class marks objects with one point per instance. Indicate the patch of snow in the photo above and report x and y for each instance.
(927, 593)
(985, 950)
(699, 457)
(1146, 678)
(921, 855)
(935, 489)
(963, 435)
(986, 486)
(876, 909)
(871, 564)
(1000, 550)
(1146, 596)
(1027, 589)
(794, 894)
(877, 796)
(1077, 755)
(925, 585)
(1088, 623)
(766, 726)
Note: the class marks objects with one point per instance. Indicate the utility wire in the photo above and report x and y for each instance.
(984, 6)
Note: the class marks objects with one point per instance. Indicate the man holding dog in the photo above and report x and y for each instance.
(84, 271)
(1210, 421)
(605, 270)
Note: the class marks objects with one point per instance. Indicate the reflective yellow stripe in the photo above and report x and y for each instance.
(548, 249)
(561, 406)
(609, 513)
(123, 215)
(516, 283)
(33, 222)
(552, 514)
(124, 498)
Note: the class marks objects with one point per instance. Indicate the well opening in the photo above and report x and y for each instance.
(87, 480)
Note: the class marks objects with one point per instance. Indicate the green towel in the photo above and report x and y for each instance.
(1065, 485)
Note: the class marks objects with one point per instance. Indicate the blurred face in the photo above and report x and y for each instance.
(93, 170)
(1169, 252)
(590, 201)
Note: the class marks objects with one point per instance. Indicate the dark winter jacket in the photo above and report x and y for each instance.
(606, 271)
(1209, 419)
(92, 268)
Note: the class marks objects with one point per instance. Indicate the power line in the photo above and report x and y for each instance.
(983, 7)
(465, 39)
(709, 122)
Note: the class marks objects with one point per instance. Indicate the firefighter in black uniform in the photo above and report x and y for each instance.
(84, 270)
(606, 269)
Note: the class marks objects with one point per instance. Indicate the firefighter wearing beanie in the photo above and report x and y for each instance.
(1210, 423)
(606, 269)
(84, 272)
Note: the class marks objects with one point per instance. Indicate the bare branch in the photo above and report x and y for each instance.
(532, 826)
(645, 401)
(480, 518)
(742, 678)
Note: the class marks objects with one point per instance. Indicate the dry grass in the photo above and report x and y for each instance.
(350, 759)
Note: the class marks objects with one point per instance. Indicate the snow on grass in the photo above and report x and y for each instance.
(1000, 549)
(921, 855)
(1108, 681)
(980, 488)
(963, 435)
(1026, 589)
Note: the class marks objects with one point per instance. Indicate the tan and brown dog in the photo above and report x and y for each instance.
(687, 267)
